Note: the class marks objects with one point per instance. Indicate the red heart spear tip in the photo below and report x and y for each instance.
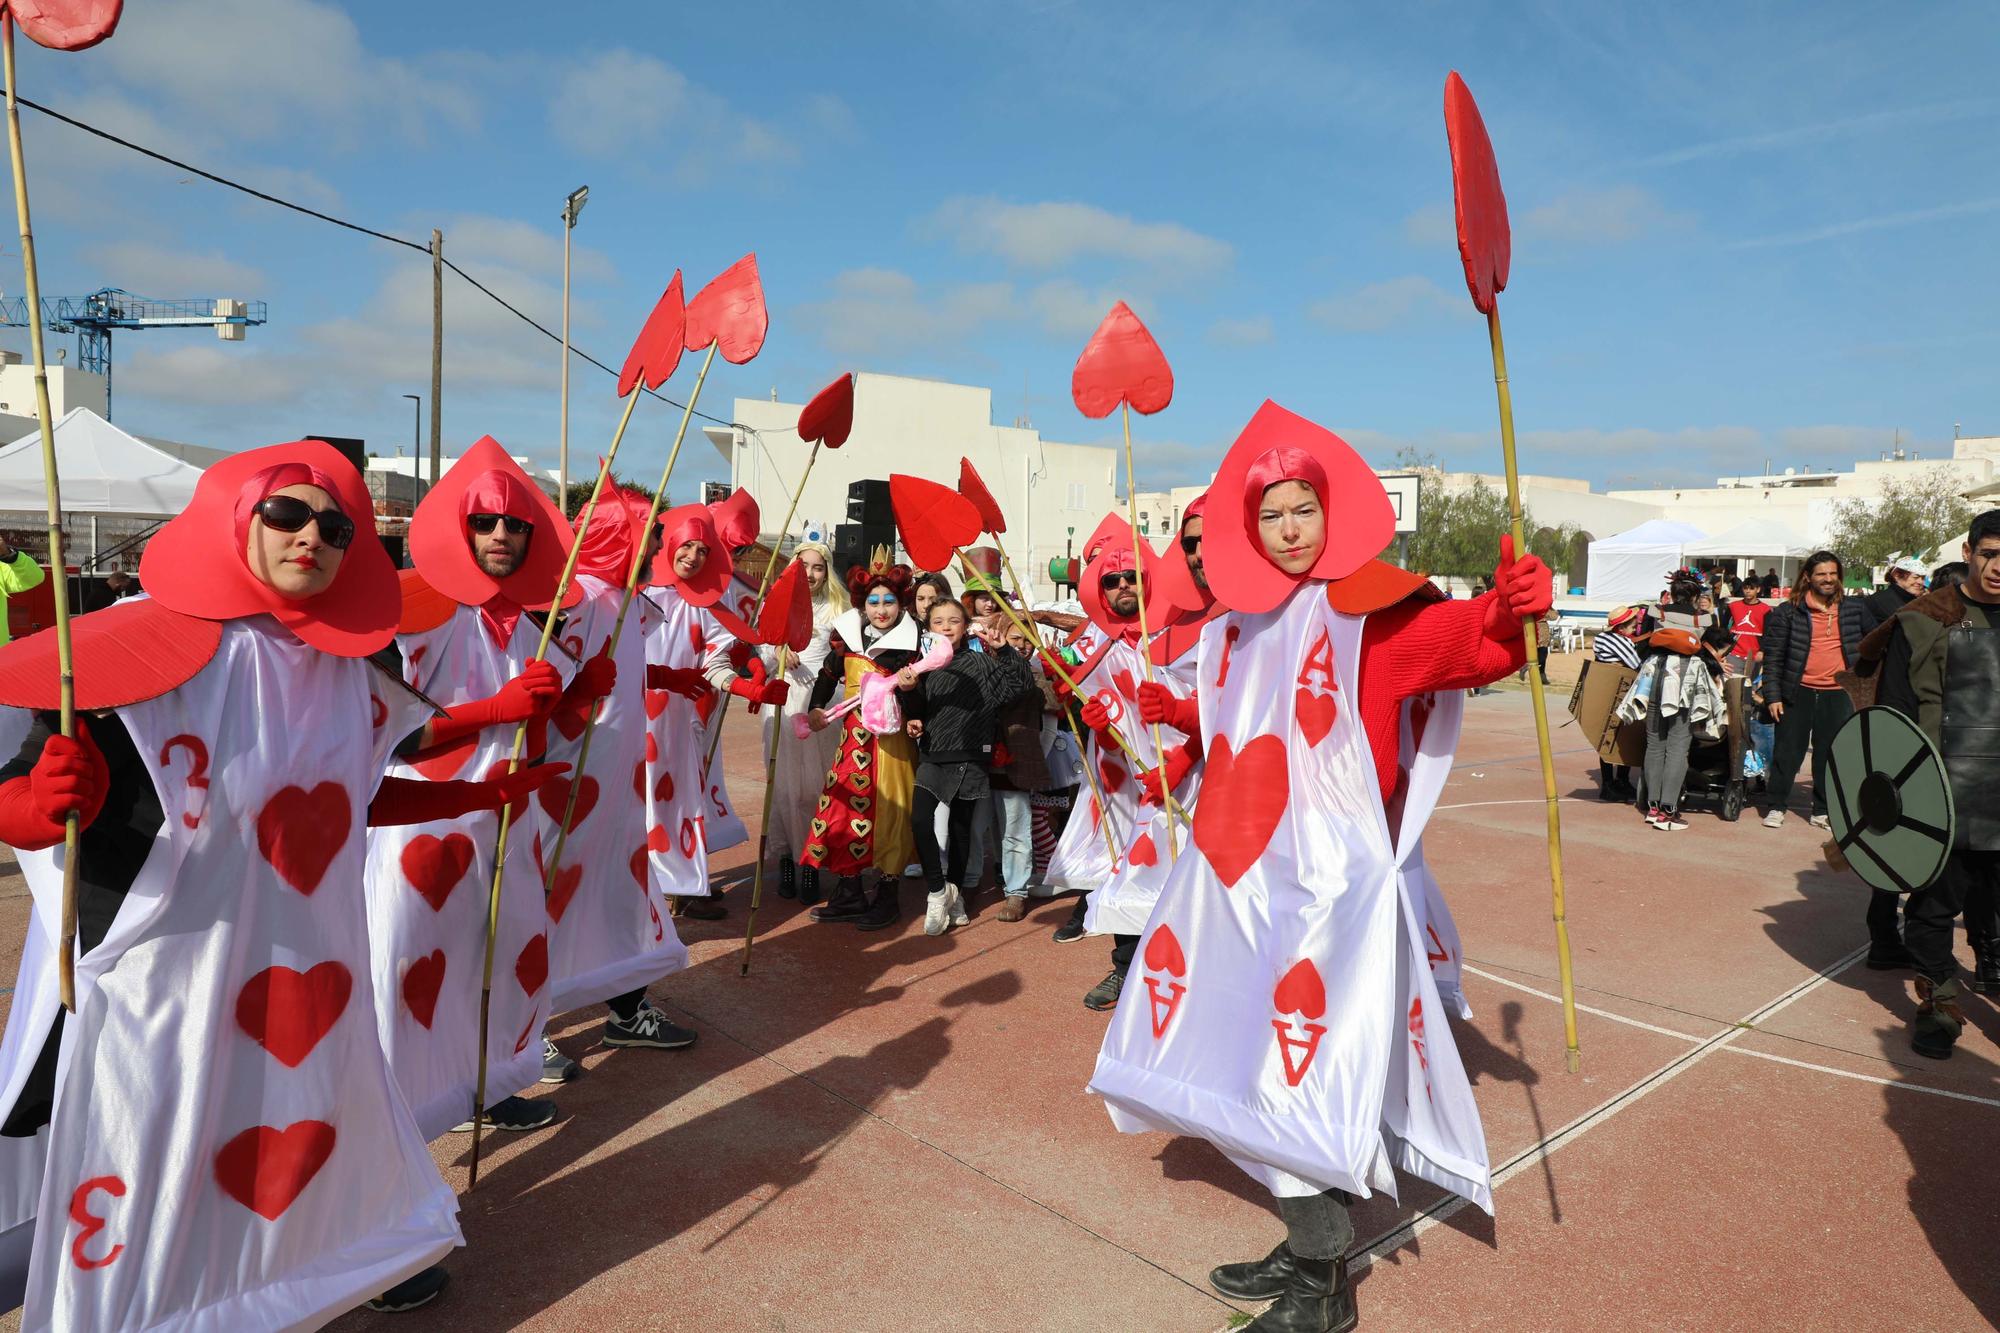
(657, 349)
(974, 489)
(65, 25)
(730, 313)
(934, 520)
(1121, 363)
(1484, 242)
(829, 417)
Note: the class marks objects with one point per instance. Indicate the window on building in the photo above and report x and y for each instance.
(1076, 495)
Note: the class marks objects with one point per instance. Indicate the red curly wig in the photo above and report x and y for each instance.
(897, 578)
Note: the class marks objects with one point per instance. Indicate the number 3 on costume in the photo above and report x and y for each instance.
(90, 1223)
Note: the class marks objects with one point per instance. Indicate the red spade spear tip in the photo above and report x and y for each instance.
(1485, 247)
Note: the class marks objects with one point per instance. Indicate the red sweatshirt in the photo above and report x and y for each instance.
(1415, 647)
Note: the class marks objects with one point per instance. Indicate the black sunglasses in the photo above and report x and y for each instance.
(288, 513)
(1110, 581)
(485, 523)
(1190, 544)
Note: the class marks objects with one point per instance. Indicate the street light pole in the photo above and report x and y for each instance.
(572, 208)
(416, 432)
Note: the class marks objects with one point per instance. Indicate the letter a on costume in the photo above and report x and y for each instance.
(1301, 992)
(1163, 954)
(1316, 701)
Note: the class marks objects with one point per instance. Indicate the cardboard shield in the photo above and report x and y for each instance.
(1890, 800)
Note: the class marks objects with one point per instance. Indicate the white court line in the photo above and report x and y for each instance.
(1524, 800)
(1581, 1008)
(1400, 1235)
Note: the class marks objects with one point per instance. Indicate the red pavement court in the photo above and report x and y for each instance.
(886, 1130)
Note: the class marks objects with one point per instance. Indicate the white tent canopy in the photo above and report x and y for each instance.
(104, 472)
(1633, 566)
(1752, 539)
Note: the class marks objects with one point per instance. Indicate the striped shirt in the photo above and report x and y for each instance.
(1611, 646)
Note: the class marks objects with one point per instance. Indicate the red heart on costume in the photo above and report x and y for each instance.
(1142, 852)
(423, 978)
(1123, 680)
(695, 637)
(265, 1169)
(1113, 774)
(663, 790)
(1163, 953)
(1485, 245)
(656, 704)
(639, 779)
(652, 748)
(729, 312)
(657, 350)
(563, 889)
(973, 488)
(704, 707)
(287, 1012)
(659, 840)
(829, 418)
(531, 969)
(1315, 712)
(637, 865)
(934, 520)
(1243, 797)
(1121, 363)
(571, 724)
(1096, 813)
(300, 832)
(65, 25)
(1300, 991)
(554, 796)
(442, 765)
(434, 865)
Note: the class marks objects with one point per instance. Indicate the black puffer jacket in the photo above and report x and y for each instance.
(958, 702)
(1788, 640)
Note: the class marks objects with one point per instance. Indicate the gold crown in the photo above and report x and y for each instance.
(880, 561)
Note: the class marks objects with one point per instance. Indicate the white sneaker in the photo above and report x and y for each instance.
(1669, 823)
(1776, 819)
(937, 911)
(957, 906)
(1820, 821)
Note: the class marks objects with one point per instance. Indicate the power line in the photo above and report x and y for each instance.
(268, 198)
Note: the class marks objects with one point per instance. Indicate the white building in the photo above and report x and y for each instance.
(68, 388)
(1052, 494)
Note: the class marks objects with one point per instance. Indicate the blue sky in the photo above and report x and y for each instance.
(1740, 232)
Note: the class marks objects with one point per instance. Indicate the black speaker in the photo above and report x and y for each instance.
(868, 504)
(353, 450)
(849, 549)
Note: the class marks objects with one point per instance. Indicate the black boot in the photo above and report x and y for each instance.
(1939, 1019)
(787, 886)
(882, 912)
(1317, 1299)
(1259, 1280)
(808, 885)
(845, 904)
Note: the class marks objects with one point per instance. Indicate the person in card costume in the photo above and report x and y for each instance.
(803, 761)
(610, 932)
(214, 1138)
(1122, 887)
(489, 548)
(862, 820)
(737, 523)
(1290, 1014)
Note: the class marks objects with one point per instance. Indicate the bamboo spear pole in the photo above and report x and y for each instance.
(52, 486)
(1532, 633)
(1145, 636)
(513, 765)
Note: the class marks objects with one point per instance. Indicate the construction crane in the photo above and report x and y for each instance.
(93, 317)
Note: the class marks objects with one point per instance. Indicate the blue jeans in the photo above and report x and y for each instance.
(1014, 815)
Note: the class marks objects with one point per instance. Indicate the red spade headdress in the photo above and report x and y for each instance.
(1277, 446)
(693, 523)
(487, 481)
(737, 519)
(1170, 590)
(616, 533)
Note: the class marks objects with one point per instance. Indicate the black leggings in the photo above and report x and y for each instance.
(923, 815)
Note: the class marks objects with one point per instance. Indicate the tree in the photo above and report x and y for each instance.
(1458, 532)
(579, 493)
(1913, 516)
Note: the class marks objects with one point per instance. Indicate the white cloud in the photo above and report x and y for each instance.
(1378, 306)
(1881, 222)
(877, 311)
(149, 269)
(1253, 332)
(1053, 234)
(1431, 226)
(1610, 215)
(212, 374)
(1825, 131)
(628, 105)
(832, 119)
(1068, 309)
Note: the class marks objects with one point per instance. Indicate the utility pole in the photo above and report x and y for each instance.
(572, 208)
(437, 354)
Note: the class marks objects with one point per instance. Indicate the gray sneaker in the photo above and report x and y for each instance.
(513, 1114)
(1776, 819)
(649, 1027)
(557, 1067)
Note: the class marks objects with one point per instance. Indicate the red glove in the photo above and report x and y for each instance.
(1522, 590)
(1179, 761)
(742, 654)
(1002, 756)
(69, 775)
(409, 801)
(688, 682)
(1096, 717)
(1157, 703)
(760, 691)
(596, 678)
(1063, 692)
(532, 694)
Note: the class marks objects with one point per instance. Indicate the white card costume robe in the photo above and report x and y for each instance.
(228, 1148)
(1122, 889)
(677, 636)
(802, 763)
(609, 927)
(428, 887)
(1427, 733)
(1281, 1005)
(725, 828)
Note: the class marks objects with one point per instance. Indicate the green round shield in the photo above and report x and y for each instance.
(1889, 800)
